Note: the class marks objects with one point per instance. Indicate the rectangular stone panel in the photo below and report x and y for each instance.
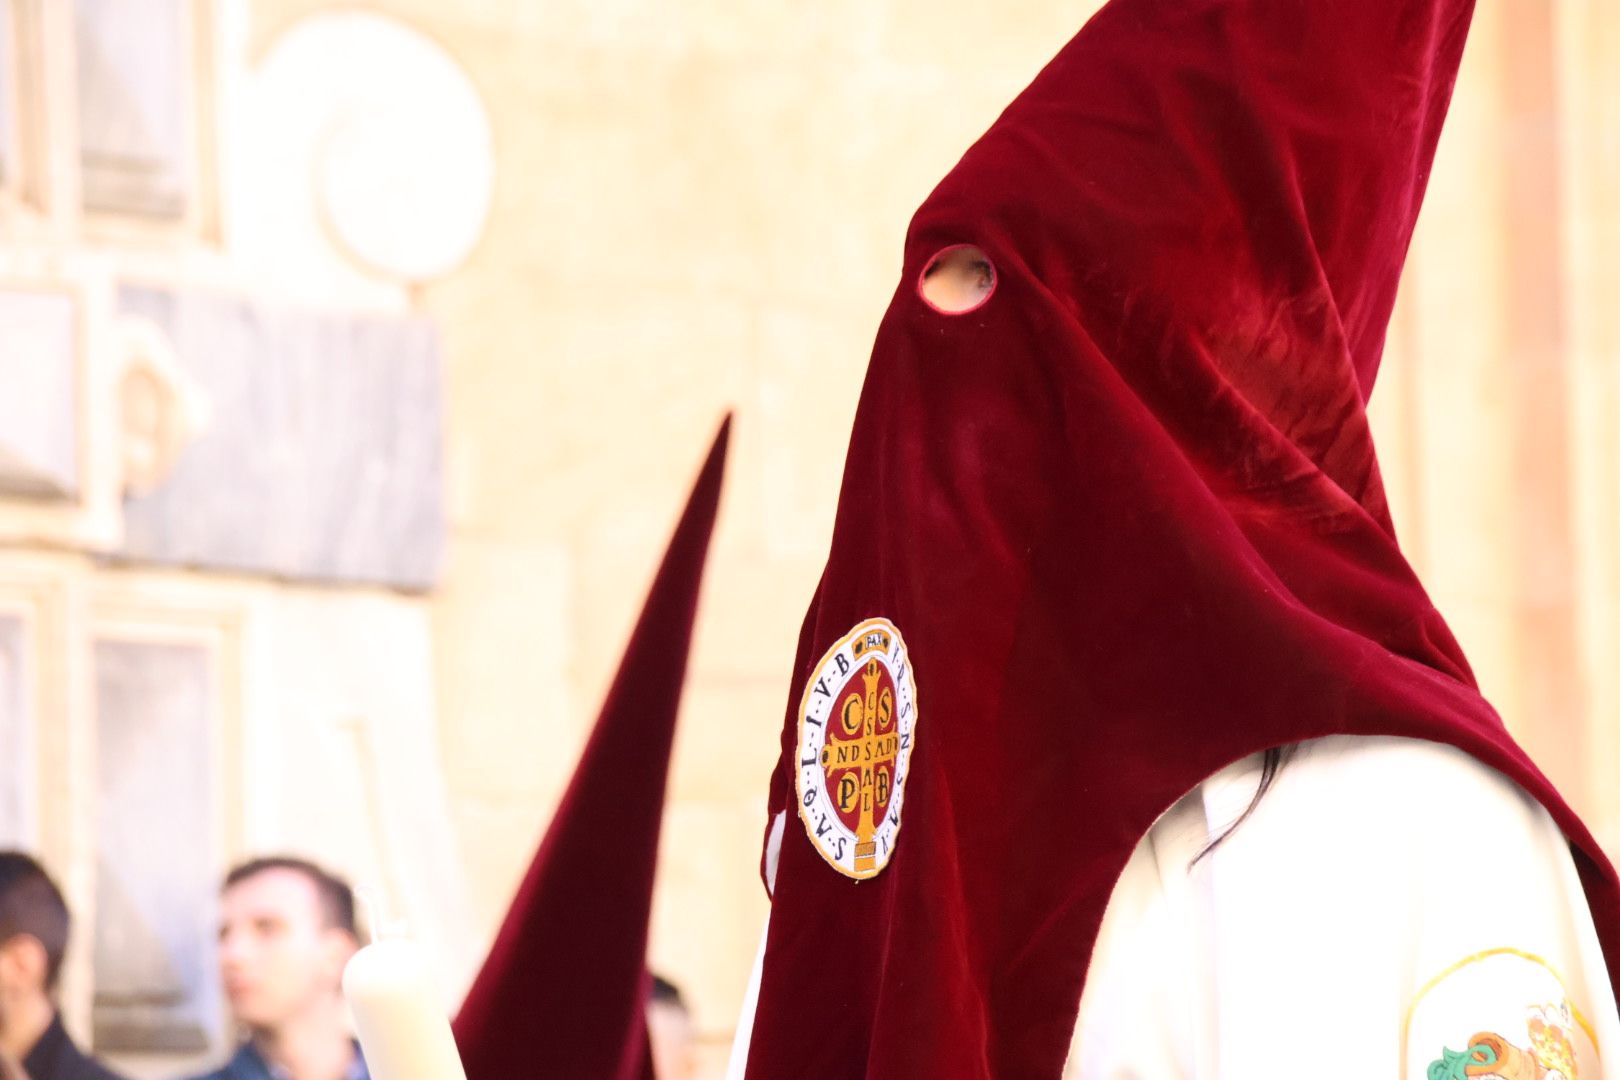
(155, 873)
(322, 458)
(16, 757)
(39, 373)
(134, 69)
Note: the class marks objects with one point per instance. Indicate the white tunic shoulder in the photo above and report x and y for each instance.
(1392, 908)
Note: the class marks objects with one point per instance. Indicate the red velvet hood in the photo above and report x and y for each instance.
(563, 993)
(1125, 517)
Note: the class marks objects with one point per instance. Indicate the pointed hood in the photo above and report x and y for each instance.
(1115, 527)
(562, 995)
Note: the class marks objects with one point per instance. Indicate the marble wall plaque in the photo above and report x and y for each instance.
(155, 876)
(133, 71)
(39, 373)
(16, 760)
(322, 458)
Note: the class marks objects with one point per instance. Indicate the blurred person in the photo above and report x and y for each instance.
(34, 926)
(287, 928)
(669, 1031)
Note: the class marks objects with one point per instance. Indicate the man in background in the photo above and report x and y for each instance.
(34, 925)
(287, 928)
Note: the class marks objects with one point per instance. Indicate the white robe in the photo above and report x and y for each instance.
(1392, 910)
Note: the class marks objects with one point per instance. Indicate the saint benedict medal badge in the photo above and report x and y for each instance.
(857, 724)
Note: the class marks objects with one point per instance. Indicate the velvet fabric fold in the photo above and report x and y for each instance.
(563, 992)
(1127, 516)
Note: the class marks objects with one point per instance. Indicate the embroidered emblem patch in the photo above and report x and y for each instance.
(1546, 1040)
(1490, 1056)
(857, 723)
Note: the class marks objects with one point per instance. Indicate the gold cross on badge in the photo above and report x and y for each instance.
(859, 753)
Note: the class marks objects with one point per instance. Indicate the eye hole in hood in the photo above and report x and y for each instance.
(958, 279)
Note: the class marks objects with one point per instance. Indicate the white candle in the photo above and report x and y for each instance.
(398, 1018)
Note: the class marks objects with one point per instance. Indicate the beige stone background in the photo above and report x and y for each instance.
(699, 206)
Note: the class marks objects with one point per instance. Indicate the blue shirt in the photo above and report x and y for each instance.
(248, 1065)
